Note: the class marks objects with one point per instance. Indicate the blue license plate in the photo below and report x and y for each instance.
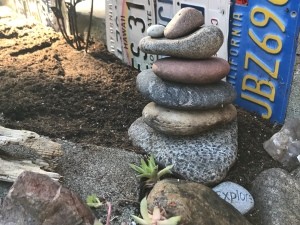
(262, 47)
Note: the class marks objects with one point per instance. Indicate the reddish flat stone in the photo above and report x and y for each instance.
(191, 71)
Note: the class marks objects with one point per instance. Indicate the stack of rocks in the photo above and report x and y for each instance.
(191, 122)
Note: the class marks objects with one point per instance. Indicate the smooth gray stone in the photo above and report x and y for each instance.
(277, 198)
(156, 31)
(184, 96)
(235, 195)
(204, 158)
(202, 44)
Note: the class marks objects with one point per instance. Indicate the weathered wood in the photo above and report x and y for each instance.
(23, 144)
(10, 170)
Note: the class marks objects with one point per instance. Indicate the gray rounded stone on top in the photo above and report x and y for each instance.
(184, 22)
(156, 31)
(204, 158)
(202, 44)
(183, 96)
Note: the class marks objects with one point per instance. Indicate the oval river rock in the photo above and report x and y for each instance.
(183, 96)
(184, 22)
(201, 44)
(191, 71)
(179, 122)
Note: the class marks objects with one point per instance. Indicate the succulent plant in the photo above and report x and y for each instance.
(93, 201)
(150, 171)
(156, 218)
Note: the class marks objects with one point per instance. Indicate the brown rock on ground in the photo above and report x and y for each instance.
(194, 202)
(191, 71)
(35, 199)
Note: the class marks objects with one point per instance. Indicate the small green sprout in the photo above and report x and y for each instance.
(93, 201)
(150, 171)
(97, 222)
(157, 218)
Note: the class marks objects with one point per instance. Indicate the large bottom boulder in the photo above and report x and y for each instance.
(204, 158)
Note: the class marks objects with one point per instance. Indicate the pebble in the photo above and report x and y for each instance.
(156, 31)
(191, 71)
(201, 44)
(235, 195)
(204, 158)
(183, 23)
(183, 123)
(176, 95)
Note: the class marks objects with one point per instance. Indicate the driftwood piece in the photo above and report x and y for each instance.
(23, 144)
(10, 170)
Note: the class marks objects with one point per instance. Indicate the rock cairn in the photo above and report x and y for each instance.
(190, 122)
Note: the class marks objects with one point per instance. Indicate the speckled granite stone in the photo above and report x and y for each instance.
(184, 96)
(277, 197)
(205, 158)
(201, 44)
(185, 21)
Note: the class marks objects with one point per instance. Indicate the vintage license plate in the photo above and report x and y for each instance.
(127, 22)
(262, 46)
(165, 10)
(216, 12)
(39, 10)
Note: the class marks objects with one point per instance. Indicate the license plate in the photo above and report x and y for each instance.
(165, 11)
(127, 22)
(39, 10)
(262, 49)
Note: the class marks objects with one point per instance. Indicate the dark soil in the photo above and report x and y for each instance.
(50, 88)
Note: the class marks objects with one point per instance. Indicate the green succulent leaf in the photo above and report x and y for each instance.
(137, 168)
(144, 210)
(140, 221)
(149, 170)
(97, 222)
(143, 164)
(165, 171)
(146, 175)
(171, 221)
(93, 201)
(151, 162)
